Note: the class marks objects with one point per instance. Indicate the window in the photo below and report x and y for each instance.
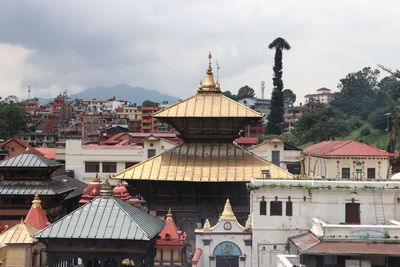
(289, 208)
(130, 164)
(353, 213)
(109, 167)
(276, 157)
(276, 208)
(263, 207)
(345, 173)
(371, 173)
(151, 153)
(92, 166)
(294, 168)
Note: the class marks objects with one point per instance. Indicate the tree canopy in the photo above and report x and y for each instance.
(244, 91)
(150, 104)
(13, 117)
(288, 98)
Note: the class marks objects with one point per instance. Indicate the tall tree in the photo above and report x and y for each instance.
(229, 94)
(244, 92)
(288, 98)
(275, 117)
(13, 118)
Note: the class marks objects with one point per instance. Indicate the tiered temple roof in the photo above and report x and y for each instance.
(170, 236)
(36, 215)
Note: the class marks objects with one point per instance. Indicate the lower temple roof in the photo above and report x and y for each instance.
(203, 162)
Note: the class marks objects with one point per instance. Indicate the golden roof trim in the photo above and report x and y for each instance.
(19, 234)
(227, 214)
(203, 162)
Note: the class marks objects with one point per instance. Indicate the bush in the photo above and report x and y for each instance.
(365, 131)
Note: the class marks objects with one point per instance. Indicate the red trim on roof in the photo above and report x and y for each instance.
(22, 143)
(345, 148)
(246, 140)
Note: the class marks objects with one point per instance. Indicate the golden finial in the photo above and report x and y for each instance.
(227, 214)
(207, 226)
(169, 215)
(209, 85)
(36, 201)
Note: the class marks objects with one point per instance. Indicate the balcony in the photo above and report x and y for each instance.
(390, 231)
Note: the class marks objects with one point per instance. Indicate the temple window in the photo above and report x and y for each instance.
(275, 208)
(289, 208)
(263, 207)
(92, 166)
(371, 173)
(109, 167)
(346, 173)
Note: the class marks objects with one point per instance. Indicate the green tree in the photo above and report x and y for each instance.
(323, 123)
(13, 118)
(148, 103)
(357, 95)
(244, 92)
(288, 98)
(276, 115)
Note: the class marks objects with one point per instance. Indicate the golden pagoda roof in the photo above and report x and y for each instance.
(211, 105)
(227, 214)
(19, 234)
(203, 162)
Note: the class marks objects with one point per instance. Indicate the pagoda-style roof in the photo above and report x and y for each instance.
(29, 188)
(28, 159)
(36, 215)
(211, 105)
(170, 236)
(203, 162)
(19, 234)
(104, 218)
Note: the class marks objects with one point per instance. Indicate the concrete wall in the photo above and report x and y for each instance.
(270, 233)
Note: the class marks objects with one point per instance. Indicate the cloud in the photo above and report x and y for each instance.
(163, 45)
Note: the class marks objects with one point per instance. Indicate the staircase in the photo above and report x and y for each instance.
(378, 204)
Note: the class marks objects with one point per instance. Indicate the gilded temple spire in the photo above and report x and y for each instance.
(209, 85)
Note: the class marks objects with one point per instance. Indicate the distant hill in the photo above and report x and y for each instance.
(121, 91)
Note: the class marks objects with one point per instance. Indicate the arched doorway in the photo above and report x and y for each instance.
(227, 254)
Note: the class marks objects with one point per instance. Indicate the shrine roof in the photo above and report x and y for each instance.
(211, 105)
(203, 162)
(104, 218)
(29, 159)
(29, 188)
(19, 234)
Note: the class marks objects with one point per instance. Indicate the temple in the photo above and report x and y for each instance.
(24, 175)
(196, 177)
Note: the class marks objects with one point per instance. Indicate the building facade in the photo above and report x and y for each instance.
(323, 95)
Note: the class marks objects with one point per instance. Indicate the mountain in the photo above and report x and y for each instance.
(121, 91)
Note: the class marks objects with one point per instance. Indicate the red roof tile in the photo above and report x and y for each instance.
(170, 236)
(344, 148)
(246, 140)
(49, 153)
(36, 216)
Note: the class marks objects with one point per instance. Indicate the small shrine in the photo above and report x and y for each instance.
(23, 248)
(91, 191)
(171, 246)
(121, 192)
(116, 233)
(24, 175)
(227, 243)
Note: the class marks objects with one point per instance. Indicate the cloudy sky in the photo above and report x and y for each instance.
(163, 45)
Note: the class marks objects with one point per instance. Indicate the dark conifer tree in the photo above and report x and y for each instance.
(275, 117)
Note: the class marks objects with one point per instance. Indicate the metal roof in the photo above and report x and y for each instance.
(29, 187)
(211, 105)
(19, 234)
(344, 148)
(74, 183)
(105, 218)
(28, 159)
(203, 162)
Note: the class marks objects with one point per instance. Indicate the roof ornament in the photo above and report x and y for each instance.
(249, 223)
(169, 215)
(207, 226)
(106, 189)
(209, 85)
(227, 214)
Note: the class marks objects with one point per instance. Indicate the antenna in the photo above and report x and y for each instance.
(29, 92)
(262, 89)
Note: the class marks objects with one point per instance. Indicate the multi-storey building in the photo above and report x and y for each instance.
(149, 124)
(323, 95)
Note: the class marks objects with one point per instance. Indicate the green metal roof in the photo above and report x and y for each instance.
(104, 218)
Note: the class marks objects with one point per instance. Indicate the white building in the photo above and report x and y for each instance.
(261, 105)
(227, 243)
(346, 160)
(279, 153)
(285, 209)
(323, 95)
(89, 161)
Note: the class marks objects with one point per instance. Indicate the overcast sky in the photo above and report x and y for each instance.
(163, 45)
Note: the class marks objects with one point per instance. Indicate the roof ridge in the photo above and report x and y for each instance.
(339, 146)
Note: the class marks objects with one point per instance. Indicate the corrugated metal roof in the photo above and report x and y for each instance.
(105, 218)
(309, 244)
(28, 159)
(203, 162)
(72, 182)
(19, 234)
(43, 188)
(211, 105)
